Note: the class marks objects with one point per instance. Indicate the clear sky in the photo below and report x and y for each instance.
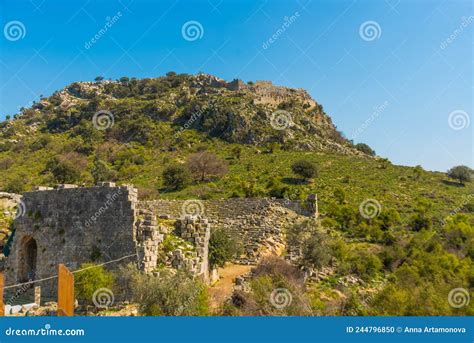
(397, 75)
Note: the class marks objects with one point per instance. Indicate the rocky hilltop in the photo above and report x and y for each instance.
(256, 113)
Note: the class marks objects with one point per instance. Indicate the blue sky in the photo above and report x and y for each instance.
(403, 85)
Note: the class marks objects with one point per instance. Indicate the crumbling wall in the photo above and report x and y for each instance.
(149, 236)
(195, 230)
(71, 225)
(257, 223)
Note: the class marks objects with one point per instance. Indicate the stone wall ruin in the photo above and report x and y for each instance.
(73, 225)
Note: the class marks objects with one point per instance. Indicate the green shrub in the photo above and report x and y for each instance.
(311, 241)
(305, 169)
(339, 195)
(276, 289)
(176, 177)
(89, 280)
(17, 185)
(365, 149)
(222, 247)
(172, 295)
(389, 218)
(420, 221)
(102, 172)
(365, 264)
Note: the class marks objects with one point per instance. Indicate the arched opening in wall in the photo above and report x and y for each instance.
(28, 256)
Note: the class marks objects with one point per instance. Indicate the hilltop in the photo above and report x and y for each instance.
(253, 113)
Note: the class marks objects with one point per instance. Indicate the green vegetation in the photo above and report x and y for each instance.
(276, 289)
(167, 295)
(176, 177)
(91, 279)
(461, 173)
(365, 149)
(305, 169)
(222, 247)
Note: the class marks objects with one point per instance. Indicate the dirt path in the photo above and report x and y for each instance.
(222, 289)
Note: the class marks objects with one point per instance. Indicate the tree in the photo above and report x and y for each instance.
(222, 247)
(67, 168)
(102, 172)
(99, 78)
(305, 169)
(460, 173)
(362, 147)
(124, 79)
(206, 165)
(176, 177)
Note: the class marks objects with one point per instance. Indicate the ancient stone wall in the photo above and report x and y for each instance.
(71, 226)
(195, 230)
(257, 223)
(149, 236)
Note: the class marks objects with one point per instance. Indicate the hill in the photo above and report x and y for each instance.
(403, 231)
